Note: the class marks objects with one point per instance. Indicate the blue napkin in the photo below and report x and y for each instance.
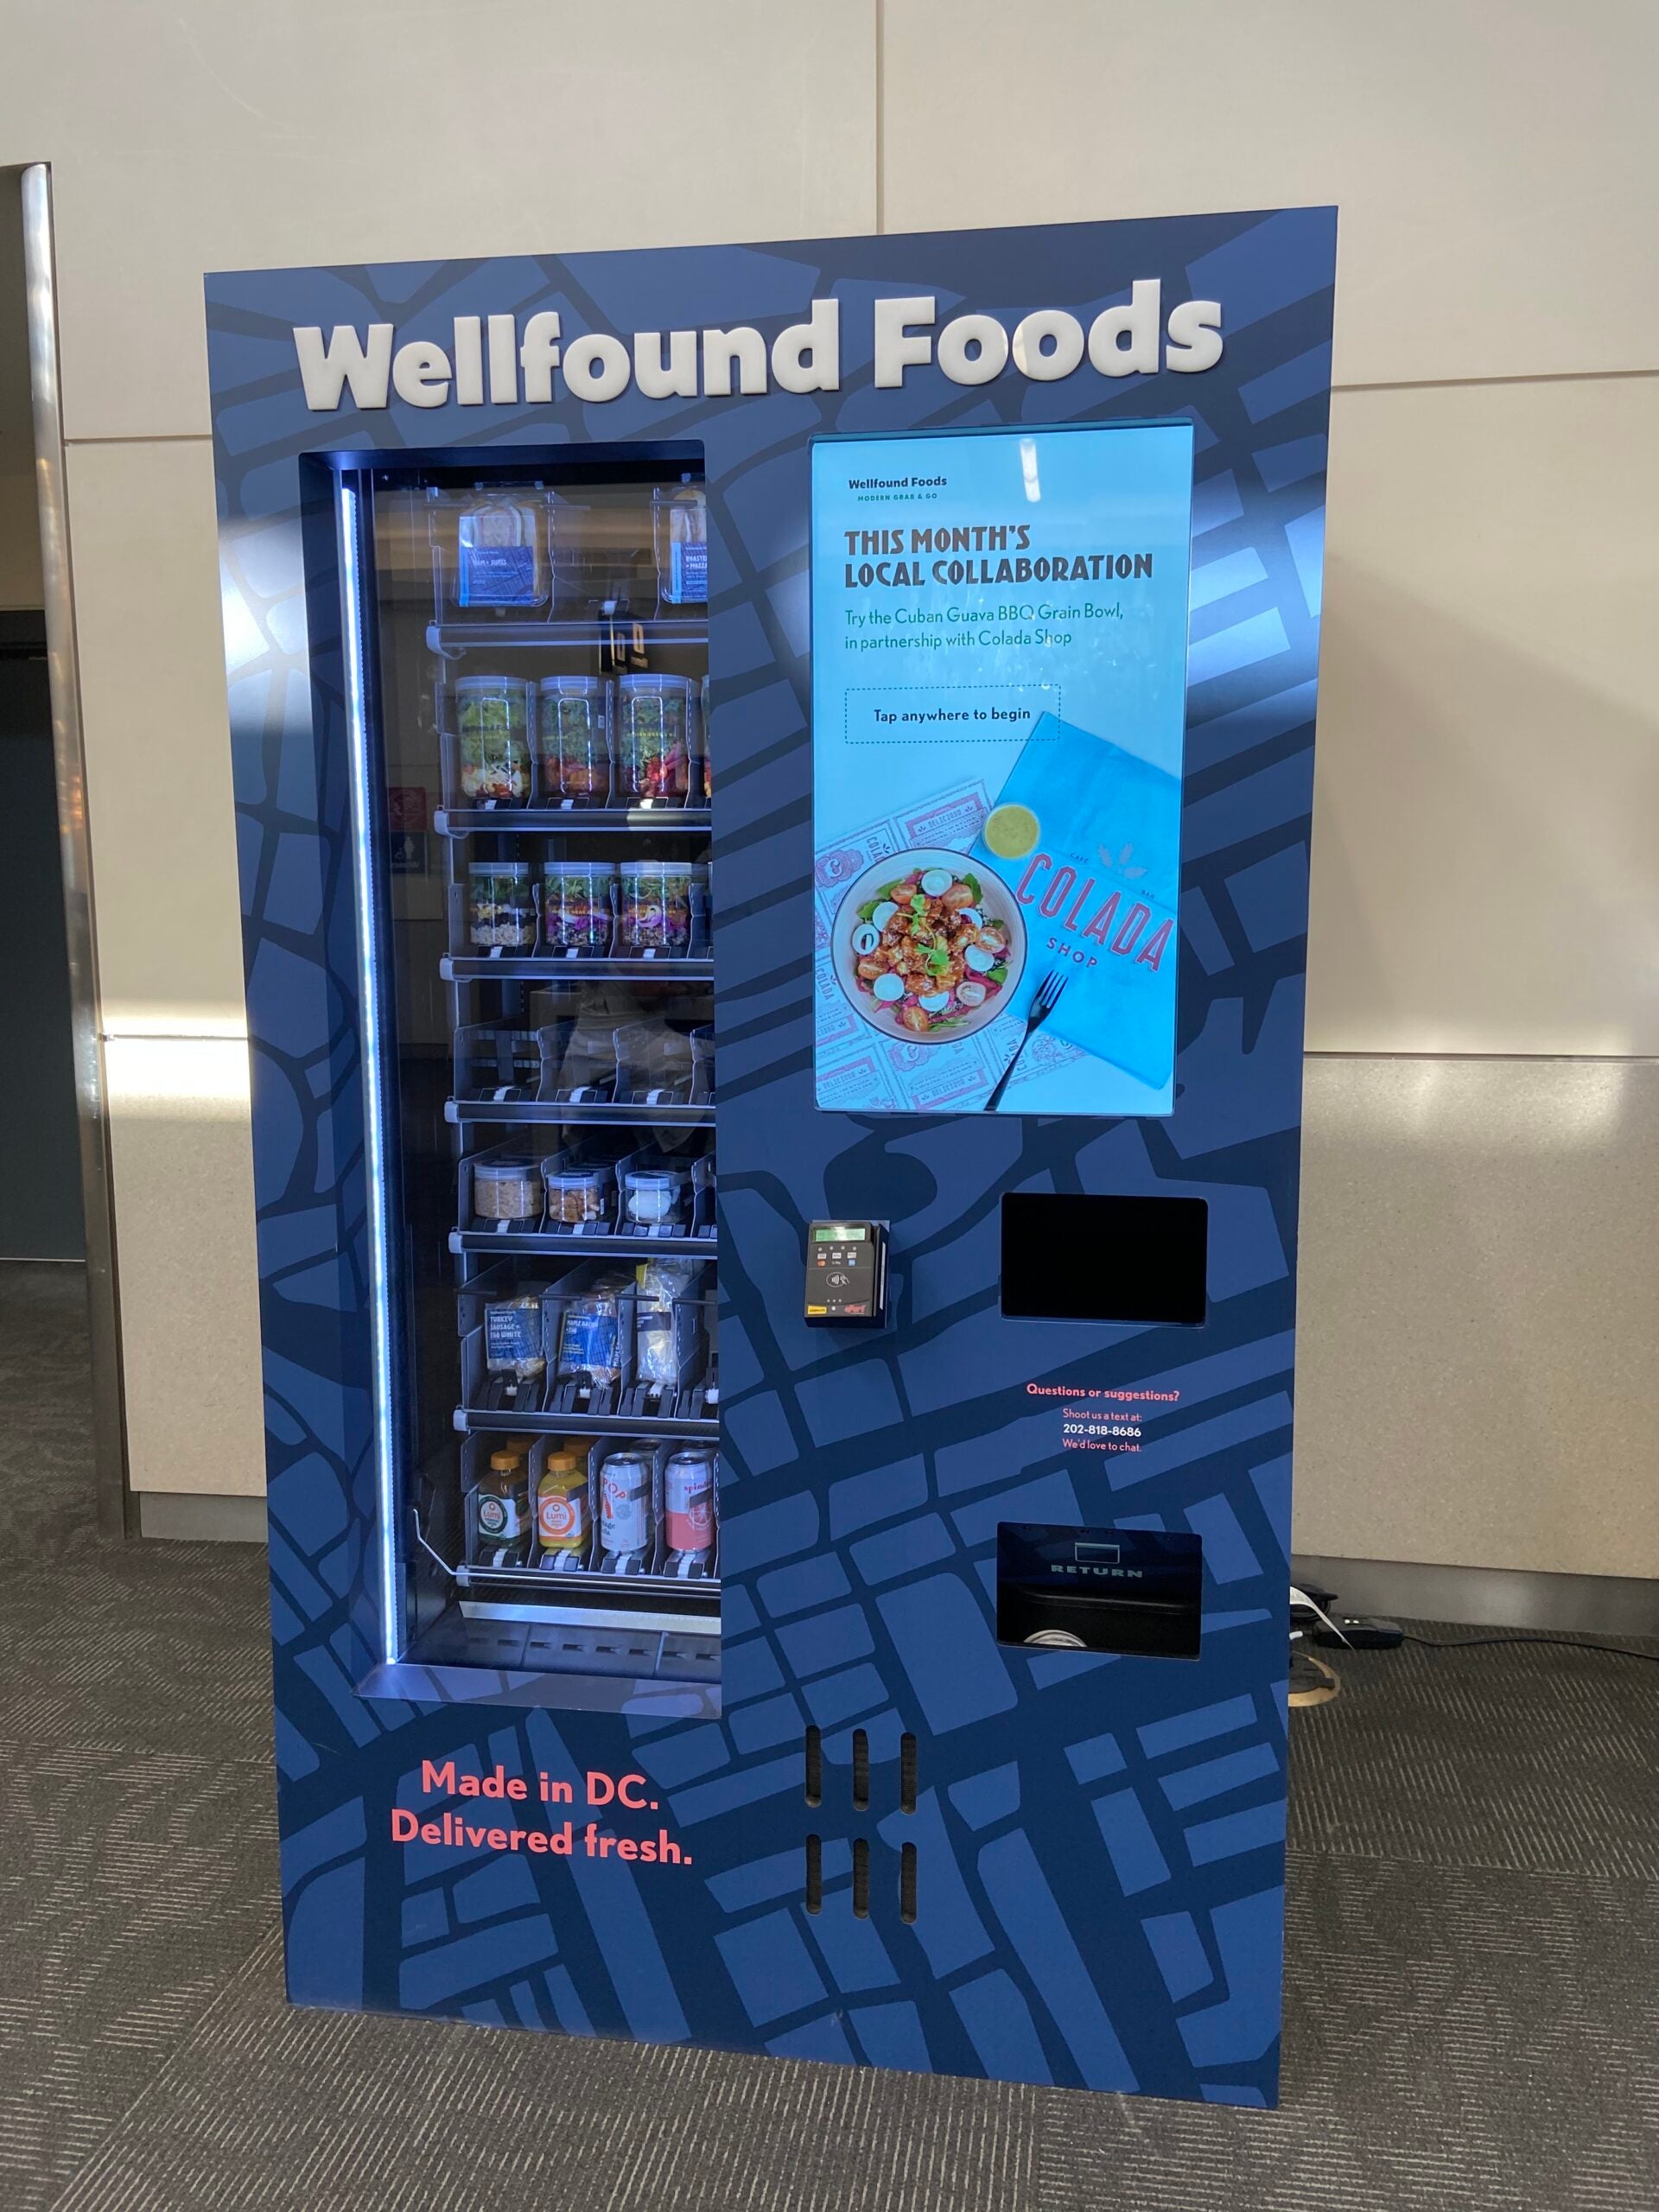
(1097, 887)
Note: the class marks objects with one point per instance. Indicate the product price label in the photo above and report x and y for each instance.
(500, 1519)
(689, 573)
(512, 1335)
(560, 1518)
(498, 576)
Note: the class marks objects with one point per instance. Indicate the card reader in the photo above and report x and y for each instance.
(847, 1274)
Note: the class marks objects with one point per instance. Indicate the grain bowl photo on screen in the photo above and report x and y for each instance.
(929, 946)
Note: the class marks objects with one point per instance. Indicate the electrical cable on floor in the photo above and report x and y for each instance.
(1317, 1682)
(1559, 1643)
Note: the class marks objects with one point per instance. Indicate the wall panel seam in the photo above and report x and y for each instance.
(145, 438)
(1528, 1059)
(1400, 384)
(1540, 376)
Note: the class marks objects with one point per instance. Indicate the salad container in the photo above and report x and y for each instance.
(493, 715)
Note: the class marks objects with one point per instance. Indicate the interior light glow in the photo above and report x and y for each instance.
(373, 1081)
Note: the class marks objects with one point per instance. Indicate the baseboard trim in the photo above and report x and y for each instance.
(1488, 1597)
(200, 1517)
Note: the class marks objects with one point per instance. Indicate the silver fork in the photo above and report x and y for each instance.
(1047, 998)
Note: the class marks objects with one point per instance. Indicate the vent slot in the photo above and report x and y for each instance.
(907, 1882)
(907, 1775)
(861, 1879)
(860, 1770)
(815, 1874)
(815, 1766)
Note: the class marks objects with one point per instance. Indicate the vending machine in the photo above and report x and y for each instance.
(774, 786)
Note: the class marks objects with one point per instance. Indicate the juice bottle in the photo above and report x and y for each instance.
(562, 1517)
(504, 1509)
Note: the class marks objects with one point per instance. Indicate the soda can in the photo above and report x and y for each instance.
(624, 1502)
(688, 1501)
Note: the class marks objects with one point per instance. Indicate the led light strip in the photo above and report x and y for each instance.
(373, 1100)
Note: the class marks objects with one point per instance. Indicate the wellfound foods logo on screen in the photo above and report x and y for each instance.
(497, 360)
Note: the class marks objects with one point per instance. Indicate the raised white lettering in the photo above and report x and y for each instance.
(540, 355)
(420, 373)
(347, 362)
(807, 356)
(596, 366)
(1138, 323)
(676, 380)
(720, 349)
(896, 349)
(1194, 337)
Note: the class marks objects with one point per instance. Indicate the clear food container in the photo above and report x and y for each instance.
(653, 906)
(679, 529)
(652, 1197)
(500, 904)
(654, 737)
(507, 1190)
(492, 732)
(499, 552)
(577, 896)
(575, 739)
(575, 1195)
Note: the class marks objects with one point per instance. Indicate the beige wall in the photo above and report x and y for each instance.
(208, 137)
(1483, 882)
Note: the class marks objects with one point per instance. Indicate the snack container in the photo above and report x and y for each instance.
(507, 1190)
(654, 1197)
(575, 1195)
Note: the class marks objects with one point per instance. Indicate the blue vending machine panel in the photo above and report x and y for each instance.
(731, 744)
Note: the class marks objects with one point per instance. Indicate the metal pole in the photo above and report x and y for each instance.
(116, 1511)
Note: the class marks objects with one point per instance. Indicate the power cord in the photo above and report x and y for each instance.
(1560, 1643)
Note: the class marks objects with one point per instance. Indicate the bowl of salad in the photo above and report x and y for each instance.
(929, 946)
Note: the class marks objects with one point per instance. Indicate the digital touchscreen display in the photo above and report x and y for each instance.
(998, 674)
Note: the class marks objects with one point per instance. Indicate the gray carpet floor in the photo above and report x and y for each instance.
(1473, 1949)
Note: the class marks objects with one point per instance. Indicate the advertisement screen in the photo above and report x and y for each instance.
(999, 673)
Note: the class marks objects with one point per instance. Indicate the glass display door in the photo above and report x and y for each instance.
(532, 663)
